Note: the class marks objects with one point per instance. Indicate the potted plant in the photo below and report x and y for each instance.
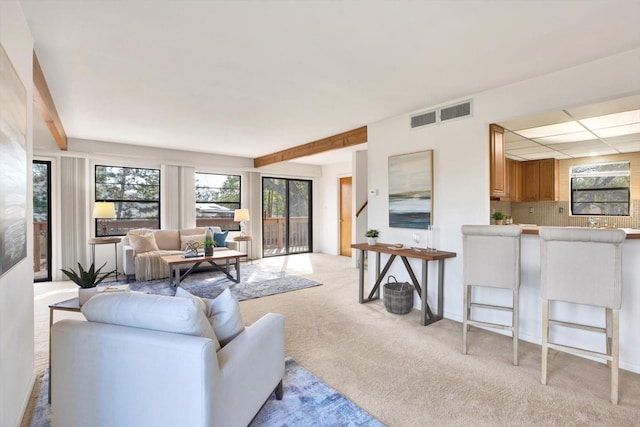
(87, 280)
(498, 217)
(372, 235)
(209, 242)
(208, 246)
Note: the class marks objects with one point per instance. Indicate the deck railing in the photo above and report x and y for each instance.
(274, 233)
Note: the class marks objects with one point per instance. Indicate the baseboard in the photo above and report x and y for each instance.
(26, 399)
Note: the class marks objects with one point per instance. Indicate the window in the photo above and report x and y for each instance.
(135, 193)
(217, 198)
(600, 189)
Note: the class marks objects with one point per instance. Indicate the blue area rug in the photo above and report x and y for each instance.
(256, 280)
(307, 401)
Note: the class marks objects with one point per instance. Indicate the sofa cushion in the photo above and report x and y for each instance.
(155, 312)
(168, 239)
(199, 238)
(221, 239)
(223, 313)
(143, 243)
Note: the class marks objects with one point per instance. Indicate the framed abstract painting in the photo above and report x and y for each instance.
(13, 166)
(410, 190)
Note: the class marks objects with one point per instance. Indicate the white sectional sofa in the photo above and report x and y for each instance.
(149, 360)
(141, 255)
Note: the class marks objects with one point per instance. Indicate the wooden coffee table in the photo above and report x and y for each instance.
(175, 261)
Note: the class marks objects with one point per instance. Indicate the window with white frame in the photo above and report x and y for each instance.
(135, 192)
(217, 198)
(601, 189)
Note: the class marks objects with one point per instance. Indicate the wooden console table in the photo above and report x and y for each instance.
(427, 316)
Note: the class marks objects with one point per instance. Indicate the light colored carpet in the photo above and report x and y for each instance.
(405, 374)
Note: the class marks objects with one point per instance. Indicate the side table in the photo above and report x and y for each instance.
(248, 241)
(105, 241)
(72, 304)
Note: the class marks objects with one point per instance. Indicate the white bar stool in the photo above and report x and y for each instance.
(583, 266)
(491, 258)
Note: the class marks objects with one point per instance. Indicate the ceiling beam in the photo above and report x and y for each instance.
(44, 104)
(335, 142)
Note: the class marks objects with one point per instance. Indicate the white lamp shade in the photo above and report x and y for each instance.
(241, 215)
(104, 210)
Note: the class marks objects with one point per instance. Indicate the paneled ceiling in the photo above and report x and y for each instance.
(610, 127)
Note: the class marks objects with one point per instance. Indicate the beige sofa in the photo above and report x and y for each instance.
(142, 249)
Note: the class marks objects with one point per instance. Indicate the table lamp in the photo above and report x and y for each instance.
(241, 216)
(103, 211)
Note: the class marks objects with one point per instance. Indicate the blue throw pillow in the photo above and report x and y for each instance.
(221, 239)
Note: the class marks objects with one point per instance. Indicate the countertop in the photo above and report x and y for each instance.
(531, 229)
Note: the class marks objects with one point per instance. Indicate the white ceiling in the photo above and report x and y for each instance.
(249, 78)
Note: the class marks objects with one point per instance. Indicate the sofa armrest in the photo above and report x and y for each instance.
(252, 365)
(128, 260)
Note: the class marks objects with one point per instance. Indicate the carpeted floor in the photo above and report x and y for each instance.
(257, 280)
(306, 400)
(404, 374)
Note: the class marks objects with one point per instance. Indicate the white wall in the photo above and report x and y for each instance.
(16, 286)
(327, 218)
(461, 154)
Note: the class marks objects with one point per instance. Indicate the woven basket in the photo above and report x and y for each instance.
(398, 297)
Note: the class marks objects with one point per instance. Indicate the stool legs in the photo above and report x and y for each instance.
(514, 324)
(467, 321)
(615, 353)
(612, 355)
(545, 339)
(465, 317)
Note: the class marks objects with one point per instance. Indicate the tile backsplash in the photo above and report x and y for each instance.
(558, 214)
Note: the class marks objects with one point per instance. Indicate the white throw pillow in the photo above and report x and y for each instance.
(142, 244)
(155, 312)
(181, 293)
(199, 238)
(225, 317)
(223, 313)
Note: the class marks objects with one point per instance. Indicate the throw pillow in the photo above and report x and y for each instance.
(221, 239)
(181, 293)
(155, 312)
(195, 238)
(225, 317)
(223, 312)
(142, 244)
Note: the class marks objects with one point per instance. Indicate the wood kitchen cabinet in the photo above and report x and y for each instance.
(497, 169)
(540, 180)
(514, 181)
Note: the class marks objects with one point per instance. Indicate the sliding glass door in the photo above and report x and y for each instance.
(286, 216)
(41, 221)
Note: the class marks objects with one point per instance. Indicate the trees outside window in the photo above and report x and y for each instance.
(286, 216)
(601, 189)
(217, 198)
(135, 193)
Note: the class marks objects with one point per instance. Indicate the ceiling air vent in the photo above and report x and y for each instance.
(423, 119)
(455, 111)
